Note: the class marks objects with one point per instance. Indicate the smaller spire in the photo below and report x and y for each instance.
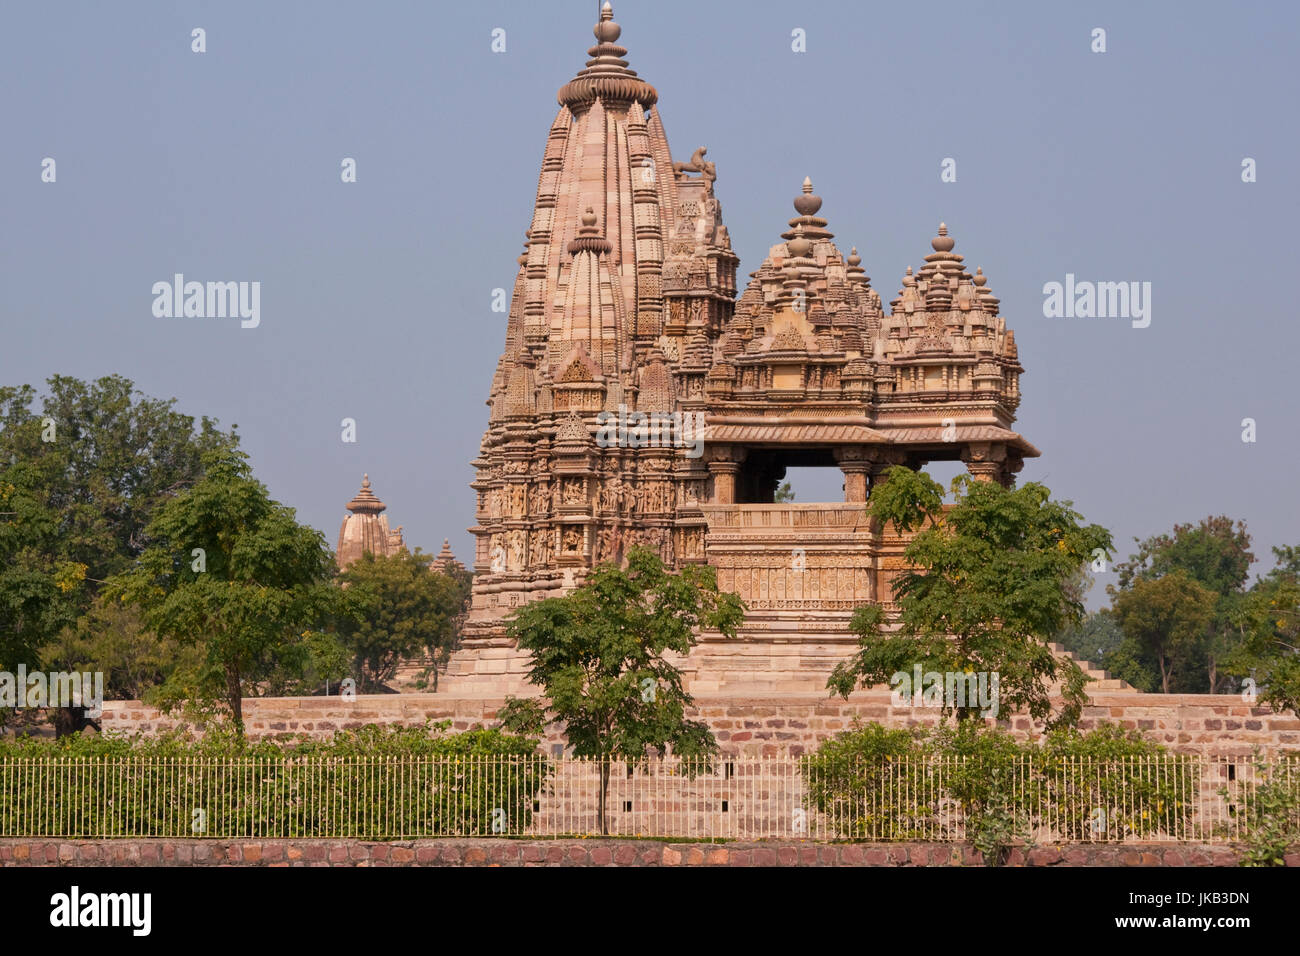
(855, 270)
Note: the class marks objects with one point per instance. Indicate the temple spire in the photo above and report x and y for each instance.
(607, 76)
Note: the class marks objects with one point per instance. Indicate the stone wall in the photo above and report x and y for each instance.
(486, 852)
(777, 725)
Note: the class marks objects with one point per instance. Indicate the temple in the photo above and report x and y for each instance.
(365, 529)
(625, 311)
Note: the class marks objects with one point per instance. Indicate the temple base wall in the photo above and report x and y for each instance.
(771, 725)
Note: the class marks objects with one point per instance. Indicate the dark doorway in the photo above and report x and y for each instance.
(765, 469)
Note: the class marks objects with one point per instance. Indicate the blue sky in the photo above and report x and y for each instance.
(1115, 166)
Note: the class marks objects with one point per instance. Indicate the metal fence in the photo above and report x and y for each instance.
(1168, 798)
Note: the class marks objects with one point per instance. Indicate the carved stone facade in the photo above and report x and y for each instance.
(639, 401)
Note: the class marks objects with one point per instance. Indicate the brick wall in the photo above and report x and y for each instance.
(1197, 723)
(483, 852)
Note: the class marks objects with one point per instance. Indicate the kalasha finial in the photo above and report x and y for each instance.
(943, 242)
(807, 204)
(365, 500)
(980, 277)
(607, 31)
(589, 238)
(854, 258)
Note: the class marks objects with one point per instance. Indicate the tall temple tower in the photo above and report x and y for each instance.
(639, 402)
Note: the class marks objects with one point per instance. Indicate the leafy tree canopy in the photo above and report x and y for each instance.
(232, 569)
(989, 581)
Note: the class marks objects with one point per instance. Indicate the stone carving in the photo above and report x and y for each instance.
(572, 538)
(698, 165)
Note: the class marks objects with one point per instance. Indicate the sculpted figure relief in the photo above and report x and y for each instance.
(541, 554)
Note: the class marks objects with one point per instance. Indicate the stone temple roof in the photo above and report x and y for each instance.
(366, 529)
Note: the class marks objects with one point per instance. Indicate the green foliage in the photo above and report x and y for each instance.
(599, 654)
(394, 608)
(1143, 790)
(231, 569)
(1167, 618)
(373, 783)
(111, 638)
(1272, 816)
(863, 781)
(784, 494)
(1214, 557)
(989, 581)
(1214, 553)
(80, 480)
(985, 786)
(1267, 621)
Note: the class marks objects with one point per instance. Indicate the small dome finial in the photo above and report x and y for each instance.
(980, 277)
(589, 238)
(943, 242)
(607, 31)
(365, 480)
(807, 204)
(854, 258)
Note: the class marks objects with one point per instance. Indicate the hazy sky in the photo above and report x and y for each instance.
(375, 296)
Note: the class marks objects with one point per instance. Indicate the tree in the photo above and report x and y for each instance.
(1268, 624)
(599, 656)
(1167, 617)
(1214, 554)
(395, 608)
(989, 582)
(231, 569)
(784, 494)
(79, 482)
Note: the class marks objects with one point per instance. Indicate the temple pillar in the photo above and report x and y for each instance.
(987, 461)
(857, 472)
(724, 467)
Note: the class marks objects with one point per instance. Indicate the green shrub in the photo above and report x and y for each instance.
(969, 782)
(1109, 784)
(375, 782)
